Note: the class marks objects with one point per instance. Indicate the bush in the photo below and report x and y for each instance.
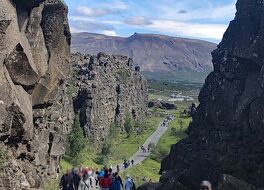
(151, 145)
(101, 160)
(106, 148)
(76, 142)
(158, 154)
(128, 125)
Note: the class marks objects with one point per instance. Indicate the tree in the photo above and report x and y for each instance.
(76, 141)
(128, 125)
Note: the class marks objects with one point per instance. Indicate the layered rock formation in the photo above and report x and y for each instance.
(34, 56)
(106, 90)
(226, 135)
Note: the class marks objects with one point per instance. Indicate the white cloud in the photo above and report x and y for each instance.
(119, 5)
(109, 32)
(92, 12)
(141, 21)
(213, 31)
(206, 12)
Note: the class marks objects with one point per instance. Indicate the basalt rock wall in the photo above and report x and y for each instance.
(34, 114)
(106, 91)
(226, 135)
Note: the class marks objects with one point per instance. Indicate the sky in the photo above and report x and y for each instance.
(199, 19)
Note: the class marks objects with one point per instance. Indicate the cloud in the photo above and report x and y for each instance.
(89, 26)
(141, 21)
(92, 12)
(182, 12)
(109, 32)
(209, 31)
(208, 12)
(118, 5)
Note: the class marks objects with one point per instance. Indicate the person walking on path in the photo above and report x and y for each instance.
(106, 181)
(117, 168)
(96, 178)
(128, 183)
(66, 182)
(116, 182)
(85, 182)
(76, 177)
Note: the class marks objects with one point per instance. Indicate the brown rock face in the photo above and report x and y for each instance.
(226, 135)
(106, 89)
(34, 55)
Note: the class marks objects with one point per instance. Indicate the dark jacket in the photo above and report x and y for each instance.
(66, 182)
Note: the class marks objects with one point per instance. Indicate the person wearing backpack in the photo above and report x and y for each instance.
(128, 183)
(116, 182)
(66, 182)
(106, 181)
(85, 182)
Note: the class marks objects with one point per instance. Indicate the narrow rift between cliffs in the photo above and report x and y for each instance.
(46, 94)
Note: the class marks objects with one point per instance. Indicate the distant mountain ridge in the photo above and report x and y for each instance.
(160, 57)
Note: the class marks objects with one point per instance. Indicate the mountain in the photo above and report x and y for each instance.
(159, 57)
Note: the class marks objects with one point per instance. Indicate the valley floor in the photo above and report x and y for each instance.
(147, 165)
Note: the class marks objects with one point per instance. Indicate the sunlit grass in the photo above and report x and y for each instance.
(151, 166)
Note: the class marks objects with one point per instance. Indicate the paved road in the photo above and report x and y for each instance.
(140, 156)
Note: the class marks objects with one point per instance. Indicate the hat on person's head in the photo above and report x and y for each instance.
(127, 176)
(206, 184)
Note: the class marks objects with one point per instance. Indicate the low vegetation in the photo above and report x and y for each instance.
(122, 145)
(149, 169)
(76, 142)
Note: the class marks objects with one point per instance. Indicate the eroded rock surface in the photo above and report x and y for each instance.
(106, 90)
(226, 135)
(35, 113)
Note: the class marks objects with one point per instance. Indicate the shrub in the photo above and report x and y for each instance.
(173, 131)
(128, 125)
(76, 142)
(158, 154)
(101, 160)
(106, 148)
(151, 145)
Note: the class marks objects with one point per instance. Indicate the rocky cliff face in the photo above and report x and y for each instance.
(34, 56)
(107, 90)
(226, 135)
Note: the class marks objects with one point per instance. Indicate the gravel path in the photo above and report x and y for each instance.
(140, 156)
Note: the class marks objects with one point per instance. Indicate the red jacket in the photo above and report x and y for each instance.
(106, 182)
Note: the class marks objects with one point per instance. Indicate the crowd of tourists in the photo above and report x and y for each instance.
(87, 178)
